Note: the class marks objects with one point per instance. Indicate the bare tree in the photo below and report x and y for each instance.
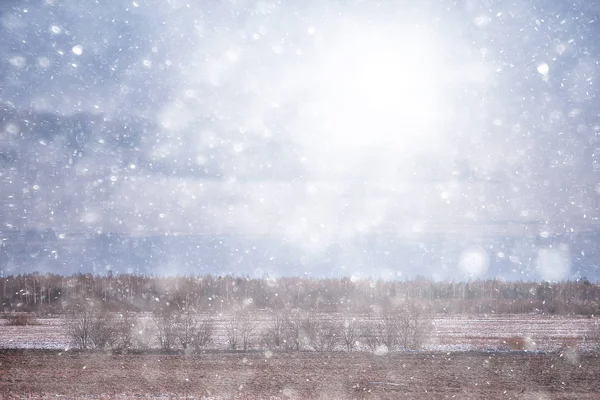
(293, 333)
(405, 329)
(232, 332)
(367, 335)
(240, 332)
(204, 333)
(385, 331)
(414, 326)
(274, 336)
(166, 334)
(185, 328)
(79, 329)
(103, 334)
(322, 334)
(349, 333)
(101, 329)
(179, 325)
(123, 324)
(247, 331)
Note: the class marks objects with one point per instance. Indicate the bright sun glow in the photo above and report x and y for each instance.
(381, 88)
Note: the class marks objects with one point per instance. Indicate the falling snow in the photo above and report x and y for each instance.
(449, 141)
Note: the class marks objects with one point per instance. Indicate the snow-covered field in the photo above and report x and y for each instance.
(509, 332)
(48, 333)
(450, 333)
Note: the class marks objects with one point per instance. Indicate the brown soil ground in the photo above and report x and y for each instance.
(305, 375)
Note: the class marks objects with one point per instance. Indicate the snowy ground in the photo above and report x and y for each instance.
(509, 332)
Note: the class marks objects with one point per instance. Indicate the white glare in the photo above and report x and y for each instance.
(381, 89)
(543, 69)
(554, 263)
(77, 50)
(474, 262)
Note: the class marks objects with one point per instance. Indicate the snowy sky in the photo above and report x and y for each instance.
(315, 121)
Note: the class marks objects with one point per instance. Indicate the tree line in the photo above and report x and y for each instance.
(183, 328)
(52, 293)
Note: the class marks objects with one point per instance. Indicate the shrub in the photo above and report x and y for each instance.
(349, 333)
(274, 335)
(240, 332)
(123, 324)
(203, 336)
(166, 333)
(79, 329)
(414, 326)
(322, 334)
(293, 332)
(183, 329)
(405, 329)
(100, 329)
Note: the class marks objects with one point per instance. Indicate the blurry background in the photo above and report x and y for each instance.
(448, 139)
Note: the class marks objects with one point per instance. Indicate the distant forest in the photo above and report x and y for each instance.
(50, 293)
